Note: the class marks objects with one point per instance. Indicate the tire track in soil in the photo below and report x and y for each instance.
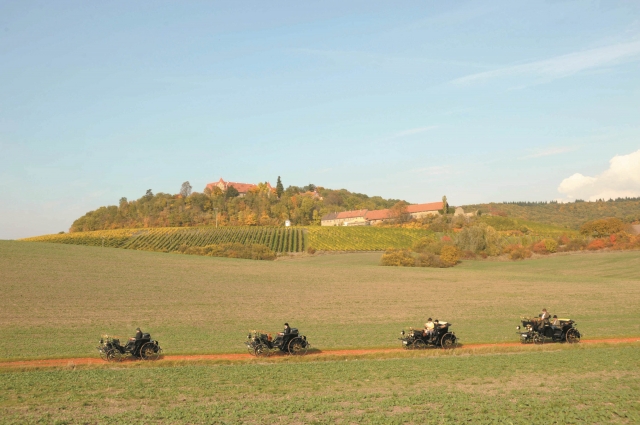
(70, 362)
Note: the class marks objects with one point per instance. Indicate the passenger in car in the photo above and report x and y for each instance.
(429, 328)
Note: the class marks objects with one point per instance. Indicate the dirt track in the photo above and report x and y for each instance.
(243, 356)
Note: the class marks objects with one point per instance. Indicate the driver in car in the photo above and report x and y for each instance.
(286, 331)
(133, 340)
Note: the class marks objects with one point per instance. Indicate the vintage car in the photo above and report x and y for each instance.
(418, 339)
(538, 331)
(261, 344)
(143, 348)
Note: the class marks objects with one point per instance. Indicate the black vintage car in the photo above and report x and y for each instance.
(538, 331)
(144, 348)
(261, 344)
(419, 339)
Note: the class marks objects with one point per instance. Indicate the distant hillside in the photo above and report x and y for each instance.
(258, 206)
(568, 215)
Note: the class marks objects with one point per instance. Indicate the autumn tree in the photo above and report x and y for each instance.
(399, 212)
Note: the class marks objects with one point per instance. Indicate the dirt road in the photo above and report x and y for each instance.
(69, 362)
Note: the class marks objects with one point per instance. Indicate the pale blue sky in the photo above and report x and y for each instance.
(481, 101)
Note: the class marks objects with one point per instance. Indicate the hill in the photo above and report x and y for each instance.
(568, 215)
(260, 206)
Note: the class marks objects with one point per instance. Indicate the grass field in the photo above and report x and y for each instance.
(563, 385)
(59, 299)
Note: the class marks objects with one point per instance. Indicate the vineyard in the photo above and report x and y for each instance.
(278, 239)
(168, 239)
(362, 238)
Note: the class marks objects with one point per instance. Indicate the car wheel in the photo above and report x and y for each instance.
(261, 350)
(572, 336)
(114, 355)
(448, 341)
(149, 351)
(297, 347)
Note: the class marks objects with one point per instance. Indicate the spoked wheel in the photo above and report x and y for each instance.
(572, 336)
(103, 354)
(149, 351)
(538, 339)
(261, 350)
(408, 345)
(114, 355)
(251, 350)
(419, 345)
(297, 347)
(448, 341)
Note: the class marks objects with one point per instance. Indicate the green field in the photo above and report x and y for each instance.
(59, 299)
(568, 385)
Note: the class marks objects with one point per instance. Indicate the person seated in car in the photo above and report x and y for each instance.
(134, 340)
(556, 325)
(429, 328)
(286, 331)
(544, 319)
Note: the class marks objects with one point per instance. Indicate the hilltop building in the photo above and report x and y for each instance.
(242, 188)
(366, 217)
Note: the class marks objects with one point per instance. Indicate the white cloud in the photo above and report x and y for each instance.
(622, 179)
(561, 66)
(557, 150)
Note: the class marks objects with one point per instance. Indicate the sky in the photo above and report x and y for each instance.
(480, 101)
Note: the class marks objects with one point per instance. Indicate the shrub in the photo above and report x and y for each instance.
(427, 245)
(423, 244)
(539, 248)
(575, 245)
(551, 245)
(427, 260)
(231, 250)
(311, 250)
(602, 227)
(517, 252)
(596, 244)
(450, 255)
(398, 258)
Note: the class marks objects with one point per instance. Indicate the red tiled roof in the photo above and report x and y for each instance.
(240, 187)
(433, 206)
(378, 215)
(351, 214)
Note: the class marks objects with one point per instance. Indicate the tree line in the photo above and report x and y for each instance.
(261, 206)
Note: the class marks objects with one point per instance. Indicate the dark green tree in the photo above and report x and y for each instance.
(279, 187)
(149, 194)
(231, 192)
